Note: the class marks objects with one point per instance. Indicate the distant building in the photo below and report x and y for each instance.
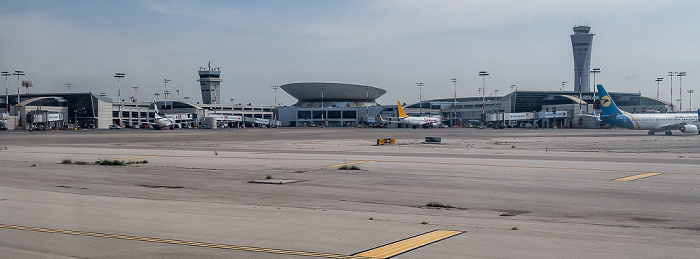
(210, 83)
(581, 43)
(331, 104)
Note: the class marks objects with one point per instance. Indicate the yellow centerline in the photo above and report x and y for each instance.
(636, 177)
(353, 163)
(181, 242)
(409, 244)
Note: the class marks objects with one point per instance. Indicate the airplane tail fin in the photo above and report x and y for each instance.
(402, 114)
(155, 109)
(607, 105)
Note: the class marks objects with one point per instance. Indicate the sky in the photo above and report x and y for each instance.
(388, 44)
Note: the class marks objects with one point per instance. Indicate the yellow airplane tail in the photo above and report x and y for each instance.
(402, 114)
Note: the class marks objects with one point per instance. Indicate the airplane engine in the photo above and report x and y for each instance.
(689, 129)
(434, 125)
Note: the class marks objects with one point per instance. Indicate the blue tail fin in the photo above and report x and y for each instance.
(607, 105)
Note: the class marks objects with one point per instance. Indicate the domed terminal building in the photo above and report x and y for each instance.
(330, 104)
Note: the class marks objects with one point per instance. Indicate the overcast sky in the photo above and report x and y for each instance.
(388, 44)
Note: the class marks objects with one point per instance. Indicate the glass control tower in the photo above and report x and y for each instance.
(581, 42)
(210, 82)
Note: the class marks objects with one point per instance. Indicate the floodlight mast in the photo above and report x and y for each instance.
(18, 73)
(166, 92)
(483, 75)
(680, 76)
(658, 80)
(119, 76)
(7, 91)
(454, 116)
(420, 98)
(595, 87)
(671, 75)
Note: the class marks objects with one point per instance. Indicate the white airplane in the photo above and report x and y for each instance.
(610, 113)
(416, 121)
(161, 122)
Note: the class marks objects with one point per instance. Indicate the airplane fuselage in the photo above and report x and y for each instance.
(650, 121)
(419, 121)
(610, 113)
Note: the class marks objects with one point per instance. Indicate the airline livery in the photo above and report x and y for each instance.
(610, 113)
(161, 122)
(416, 121)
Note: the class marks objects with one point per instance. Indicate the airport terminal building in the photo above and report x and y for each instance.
(351, 105)
(91, 111)
(331, 105)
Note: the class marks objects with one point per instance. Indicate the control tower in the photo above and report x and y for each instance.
(581, 42)
(210, 82)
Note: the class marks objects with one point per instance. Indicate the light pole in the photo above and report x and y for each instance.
(658, 79)
(420, 98)
(178, 94)
(483, 75)
(215, 99)
(165, 104)
(367, 106)
(580, 94)
(274, 87)
(136, 90)
(671, 75)
(119, 76)
(186, 98)
(690, 92)
(18, 73)
(323, 87)
(563, 84)
(68, 86)
(512, 87)
(680, 76)
(454, 116)
(7, 91)
(595, 86)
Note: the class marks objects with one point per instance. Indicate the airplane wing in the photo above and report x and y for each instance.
(674, 126)
(597, 117)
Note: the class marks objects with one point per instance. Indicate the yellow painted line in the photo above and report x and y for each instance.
(353, 163)
(635, 177)
(409, 244)
(181, 242)
(138, 157)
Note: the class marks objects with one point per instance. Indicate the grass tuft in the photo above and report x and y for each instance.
(109, 162)
(349, 167)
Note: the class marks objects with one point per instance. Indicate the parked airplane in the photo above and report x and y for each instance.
(610, 113)
(416, 121)
(161, 122)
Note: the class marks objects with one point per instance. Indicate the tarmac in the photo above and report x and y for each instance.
(480, 193)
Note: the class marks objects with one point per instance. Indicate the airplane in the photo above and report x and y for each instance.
(416, 121)
(610, 113)
(161, 122)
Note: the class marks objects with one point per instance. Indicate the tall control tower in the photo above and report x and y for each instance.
(581, 42)
(210, 82)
